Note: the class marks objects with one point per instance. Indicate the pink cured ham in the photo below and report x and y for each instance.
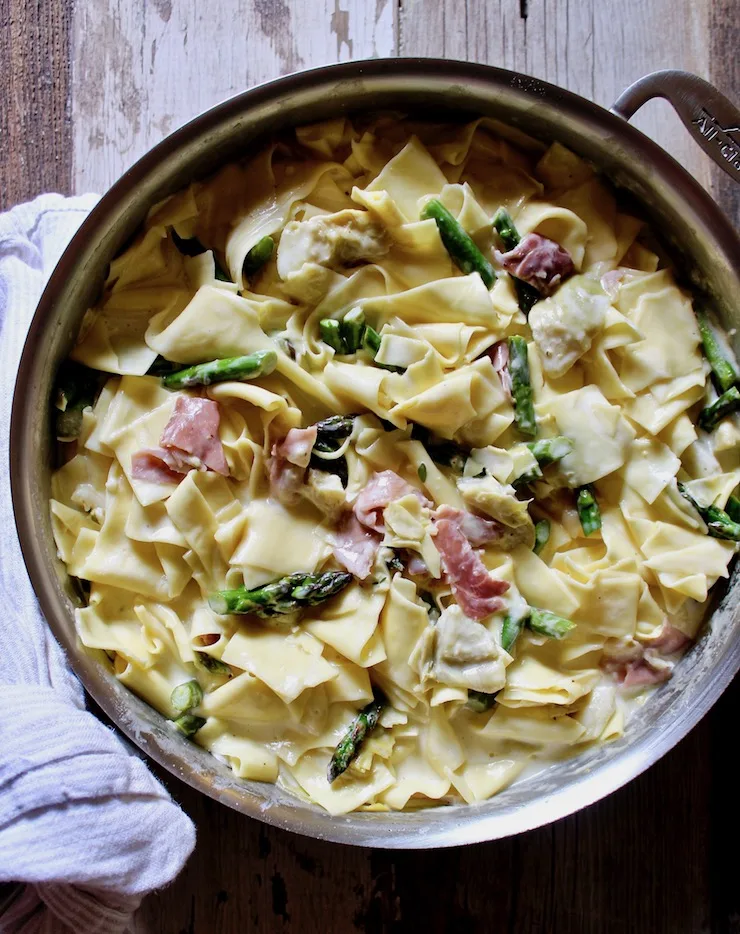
(354, 546)
(150, 465)
(189, 441)
(639, 665)
(498, 354)
(477, 530)
(476, 592)
(669, 640)
(382, 489)
(192, 432)
(542, 263)
(288, 463)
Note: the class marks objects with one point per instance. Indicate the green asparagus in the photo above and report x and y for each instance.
(541, 535)
(330, 432)
(732, 508)
(549, 450)
(281, 596)
(588, 510)
(443, 453)
(719, 523)
(76, 389)
(349, 745)
(250, 366)
(432, 608)
(545, 623)
(506, 230)
(330, 331)
(163, 367)
(371, 341)
(480, 702)
(723, 369)
(188, 724)
(256, 258)
(351, 327)
(186, 696)
(462, 249)
(521, 387)
(511, 629)
(212, 665)
(193, 247)
(713, 414)
(527, 294)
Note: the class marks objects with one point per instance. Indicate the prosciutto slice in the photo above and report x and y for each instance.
(382, 489)
(498, 354)
(477, 530)
(476, 592)
(288, 464)
(151, 466)
(192, 432)
(542, 263)
(638, 665)
(354, 546)
(189, 441)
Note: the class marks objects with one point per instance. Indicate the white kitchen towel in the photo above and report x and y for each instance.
(85, 829)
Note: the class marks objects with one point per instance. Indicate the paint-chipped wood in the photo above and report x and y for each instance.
(142, 70)
(35, 138)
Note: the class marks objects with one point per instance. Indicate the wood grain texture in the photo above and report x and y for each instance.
(35, 132)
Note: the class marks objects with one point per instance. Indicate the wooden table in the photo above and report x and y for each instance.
(86, 88)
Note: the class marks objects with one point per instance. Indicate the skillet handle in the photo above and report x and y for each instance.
(709, 116)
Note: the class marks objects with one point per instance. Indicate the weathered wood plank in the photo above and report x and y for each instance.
(142, 70)
(35, 137)
(595, 48)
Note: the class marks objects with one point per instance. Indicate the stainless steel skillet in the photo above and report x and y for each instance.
(703, 243)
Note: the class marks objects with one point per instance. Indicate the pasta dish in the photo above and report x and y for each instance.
(396, 463)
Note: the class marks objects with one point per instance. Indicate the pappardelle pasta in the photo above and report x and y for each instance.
(396, 461)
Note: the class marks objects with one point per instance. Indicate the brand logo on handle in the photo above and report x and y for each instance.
(726, 139)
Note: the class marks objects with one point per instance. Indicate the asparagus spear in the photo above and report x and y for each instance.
(480, 702)
(510, 630)
(213, 665)
(732, 508)
(588, 510)
(546, 451)
(351, 327)
(462, 249)
(193, 247)
(713, 414)
(330, 331)
(526, 294)
(251, 366)
(349, 745)
(718, 522)
(549, 450)
(521, 387)
(186, 696)
(256, 258)
(371, 341)
(724, 370)
(330, 432)
(443, 453)
(541, 535)
(281, 596)
(76, 388)
(188, 724)
(549, 624)
(163, 367)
